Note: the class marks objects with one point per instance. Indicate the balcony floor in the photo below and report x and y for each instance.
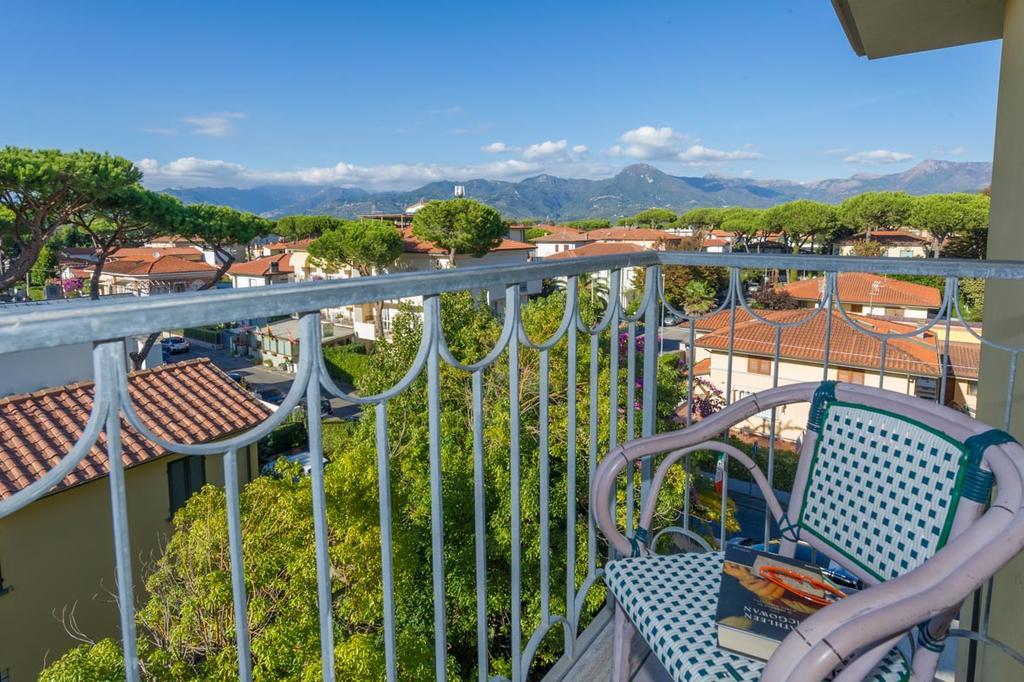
(595, 662)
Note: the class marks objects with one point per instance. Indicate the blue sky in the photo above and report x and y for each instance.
(395, 94)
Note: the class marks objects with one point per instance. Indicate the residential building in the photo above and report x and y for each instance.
(628, 277)
(716, 245)
(868, 294)
(57, 554)
(276, 269)
(896, 243)
(559, 238)
(211, 255)
(912, 365)
(146, 276)
(641, 236)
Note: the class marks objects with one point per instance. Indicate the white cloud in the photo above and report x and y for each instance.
(191, 171)
(579, 149)
(650, 143)
(214, 125)
(877, 156)
(546, 149)
(160, 131)
(698, 154)
(498, 148)
(958, 150)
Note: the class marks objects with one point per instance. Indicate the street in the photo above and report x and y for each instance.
(258, 376)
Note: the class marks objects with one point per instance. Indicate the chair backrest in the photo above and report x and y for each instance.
(880, 488)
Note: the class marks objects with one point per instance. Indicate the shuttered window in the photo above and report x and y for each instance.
(850, 376)
(185, 477)
(759, 365)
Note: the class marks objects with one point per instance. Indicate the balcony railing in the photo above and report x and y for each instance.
(620, 335)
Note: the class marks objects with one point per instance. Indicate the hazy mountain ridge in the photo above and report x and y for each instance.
(631, 190)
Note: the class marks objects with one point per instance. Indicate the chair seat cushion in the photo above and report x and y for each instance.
(672, 601)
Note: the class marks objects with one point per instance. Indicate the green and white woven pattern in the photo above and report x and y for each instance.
(672, 601)
(882, 490)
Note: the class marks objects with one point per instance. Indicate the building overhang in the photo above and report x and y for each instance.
(884, 28)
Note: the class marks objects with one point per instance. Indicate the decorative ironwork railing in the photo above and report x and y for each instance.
(106, 323)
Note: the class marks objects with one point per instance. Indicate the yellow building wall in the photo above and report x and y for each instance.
(57, 556)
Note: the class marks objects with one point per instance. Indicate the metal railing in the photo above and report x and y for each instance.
(105, 323)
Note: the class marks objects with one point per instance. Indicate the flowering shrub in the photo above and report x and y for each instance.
(71, 284)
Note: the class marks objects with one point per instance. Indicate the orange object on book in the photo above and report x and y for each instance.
(775, 575)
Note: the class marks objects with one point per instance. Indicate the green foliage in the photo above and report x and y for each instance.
(698, 297)
(365, 245)
(459, 226)
(534, 233)
(702, 218)
(186, 626)
(589, 224)
(771, 298)
(801, 221)
(867, 249)
(220, 226)
(944, 215)
(285, 438)
(100, 661)
(876, 211)
(972, 298)
(346, 363)
(677, 277)
(42, 189)
(295, 227)
(653, 218)
(969, 244)
(746, 223)
(784, 471)
(45, 265)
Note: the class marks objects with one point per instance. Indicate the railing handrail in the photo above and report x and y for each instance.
(46, 327)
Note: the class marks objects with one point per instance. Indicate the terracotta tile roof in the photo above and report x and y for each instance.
(164, 265)
(300, 245)
(413, 244)
(860, 287)
(601, 249)
(150, 253)
(261, 267)
(714, 242)
(848, 347)
(189, 402)
(888, 237)
(627, 234)
(558, 234)
(76, 253)
(964, 358)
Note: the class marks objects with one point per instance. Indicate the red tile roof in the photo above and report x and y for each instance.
(413, 244)
(964, 358)
(559, 234)
(164, 265)
(300, 245)
(188, 402)
(261, 267)
(600, 249)
(861, 288)
(888, 237)
(714, 242)
(149, 253)
(848, 347)
(627, 234)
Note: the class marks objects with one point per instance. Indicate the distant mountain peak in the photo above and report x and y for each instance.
(633, 189)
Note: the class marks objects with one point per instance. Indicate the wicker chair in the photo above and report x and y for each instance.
(893, 488)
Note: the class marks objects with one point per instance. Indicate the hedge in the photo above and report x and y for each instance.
(346, 363)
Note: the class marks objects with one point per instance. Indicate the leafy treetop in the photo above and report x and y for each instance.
(459, 226)
(944, 215)
(876, 211)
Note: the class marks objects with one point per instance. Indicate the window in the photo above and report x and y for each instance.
(759, 365)
(850, 376)
(906, 253)
(185, 476)
(972, 388)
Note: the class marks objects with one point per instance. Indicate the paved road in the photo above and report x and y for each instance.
(259, 377)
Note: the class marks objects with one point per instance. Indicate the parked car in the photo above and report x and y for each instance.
(174, 344)
(236, 377)
(304, 459)
(273, 396)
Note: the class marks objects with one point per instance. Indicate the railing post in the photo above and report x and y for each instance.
(650, 390)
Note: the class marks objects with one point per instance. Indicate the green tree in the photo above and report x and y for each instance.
(219, 229)
(654, 218)
(701, 219)
(698, 297)
(747, 224)
(802, 222)
(590, 224)
(45, 265)
(127, 217)
(368, 246)
(42, 189)
(868, 249)
(186, 627)
(296, 227)
(459, 226)
(876, 211)
(678, 277)
(944, 215)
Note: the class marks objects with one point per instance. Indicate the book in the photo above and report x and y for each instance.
(755, 614)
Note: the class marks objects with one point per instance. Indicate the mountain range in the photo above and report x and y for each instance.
(632, 189)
